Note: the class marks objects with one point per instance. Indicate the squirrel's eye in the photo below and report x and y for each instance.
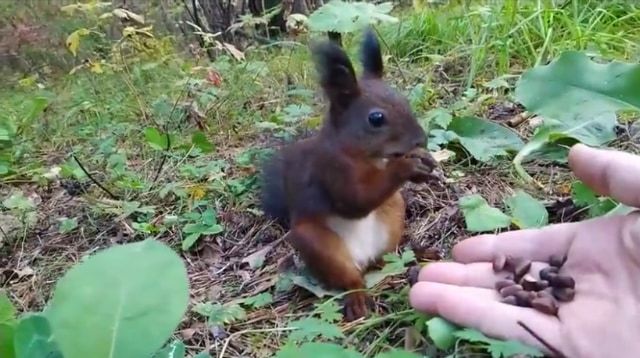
(376, 119)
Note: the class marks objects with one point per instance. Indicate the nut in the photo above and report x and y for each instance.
(529, 283)
(545, 305)
(564, 294)
(547, 271)
(510, 300)
(510, 290)
(504, 283)
(523, 298)
(557, 260)
(521, 268)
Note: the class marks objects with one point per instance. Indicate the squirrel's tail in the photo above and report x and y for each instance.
(272, 192)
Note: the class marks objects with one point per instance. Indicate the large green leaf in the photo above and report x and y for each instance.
(479, 216)
(346, 17)
(576, 98)
(33, 338)
(497, 348)
(122, 302)
(7, 311)
(526, 212)
(484, 139)
(7, 332)
(317, 350)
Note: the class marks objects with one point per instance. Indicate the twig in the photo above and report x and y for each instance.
(113, 196)
(542, 341)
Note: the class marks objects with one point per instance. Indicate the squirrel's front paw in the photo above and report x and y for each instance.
(424, 167)
(356, 305)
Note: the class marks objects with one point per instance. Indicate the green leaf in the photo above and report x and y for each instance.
(18, 201)
(67, 225)
(317, 350)
(33, 338)
(347, 17)
(218, 314)
(7, 310)
(126, 300)
(479, 216)
(7, 334)
(396, 353)
(156, 139)
(259, 300)
(329, 311)
(577, 98)
(200, 141)
(582, 195)
(526, 211)
(484, 139)
(439, 116)
(175, 349)
(311, 328)
(441, 332)
(496, 347)
(36, 107)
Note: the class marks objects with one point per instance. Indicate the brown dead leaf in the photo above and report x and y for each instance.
(210, 253)
(187, 333)
(233, 51)
(25, 271)
(442, 155)
(256, 259)
(245, 275)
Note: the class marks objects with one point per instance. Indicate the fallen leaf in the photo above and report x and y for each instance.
(246, 275)
(210, 254)
(237, 54)
(128, 15)
(442, 155)
(25, 271)
(187, 333)
(256, 259)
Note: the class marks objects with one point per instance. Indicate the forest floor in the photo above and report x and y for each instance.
(242, 298)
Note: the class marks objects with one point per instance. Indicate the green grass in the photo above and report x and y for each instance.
(101, 119)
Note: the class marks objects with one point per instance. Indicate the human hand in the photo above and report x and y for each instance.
(603, 256)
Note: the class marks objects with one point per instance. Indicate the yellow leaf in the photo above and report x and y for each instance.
(96, 67)
(73, 41)
(197, 192)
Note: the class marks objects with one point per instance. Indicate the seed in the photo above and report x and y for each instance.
(521, 269)
(542, 284)
(510, 290)
(529, 283)
(564, 294)
(523, 299)
(510, 300)
(499, 263)
(504, 283)
(413, 273)
(557, 260)
(545, 305)
(547, 271)
(562, 281)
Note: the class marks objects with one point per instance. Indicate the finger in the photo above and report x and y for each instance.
(608, 172)
(533, 244)
(479, 308)
(477, 274)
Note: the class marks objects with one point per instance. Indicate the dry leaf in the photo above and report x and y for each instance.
(25, 271)
(210, 254)
(237, 54)
(187, 333)
(256, 259)
(246, 275)
(128, 15)
(442, 155)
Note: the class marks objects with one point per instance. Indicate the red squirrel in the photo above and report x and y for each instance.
(338, 192)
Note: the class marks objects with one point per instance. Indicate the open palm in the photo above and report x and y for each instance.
(603, 256)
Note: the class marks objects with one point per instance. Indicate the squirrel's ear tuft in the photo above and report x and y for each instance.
(370, 54)
(337, 76)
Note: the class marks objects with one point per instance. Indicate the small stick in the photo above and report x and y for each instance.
(113, 196)
(542, 341)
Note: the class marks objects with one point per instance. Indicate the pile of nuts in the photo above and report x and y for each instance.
(520, 288)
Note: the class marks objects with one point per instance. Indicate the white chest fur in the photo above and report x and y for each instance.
(365, 238)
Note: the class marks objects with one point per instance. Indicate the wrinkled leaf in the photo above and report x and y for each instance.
(33, 338)
(346, 17)
(526, 211)
(441, 332)
(440, 117)
(114, 296)
(577, 98)
(484, 139)
(308, 329)
(259, 300)
(496, 347)
(201, 142)
(479, 216)
(156, 139)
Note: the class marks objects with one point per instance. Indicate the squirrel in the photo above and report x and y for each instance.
(338, 192)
